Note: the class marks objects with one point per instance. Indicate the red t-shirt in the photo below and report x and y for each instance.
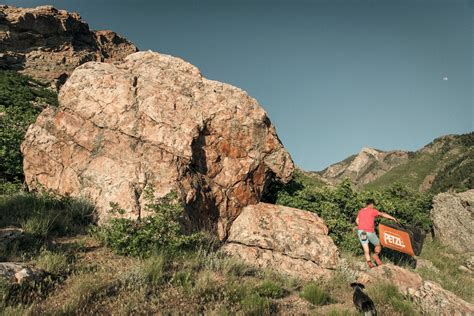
(367, 219)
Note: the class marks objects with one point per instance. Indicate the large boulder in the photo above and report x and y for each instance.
(288, 240)
(48, 44)
(154, 121)
(453, 219)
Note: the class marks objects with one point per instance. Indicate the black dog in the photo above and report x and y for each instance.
(362, 301)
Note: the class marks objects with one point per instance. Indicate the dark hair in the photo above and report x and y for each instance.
(370, 201)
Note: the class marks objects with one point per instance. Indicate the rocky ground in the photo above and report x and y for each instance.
(78, 274)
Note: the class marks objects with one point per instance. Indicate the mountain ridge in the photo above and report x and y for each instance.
(448, 158)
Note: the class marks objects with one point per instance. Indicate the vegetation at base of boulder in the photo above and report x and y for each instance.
(339, 205)
(21, 100)
(445, 271)
(55, 262)
(42, 214)
(160, 231)
(387, 294)
(314, 294)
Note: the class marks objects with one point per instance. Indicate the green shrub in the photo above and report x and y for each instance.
(254, 304)
(206, 288)
(21, 100)
(153, 270)
(53, 262)
(184, 278)
(314, 294)
(338, 206)
(159, 232)
(40, 224)
(270, 289)
(387, 294)
(42, 215)
(84, 289)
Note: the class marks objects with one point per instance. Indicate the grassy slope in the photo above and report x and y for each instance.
(451, 162)
(84, 277)
(410, 174)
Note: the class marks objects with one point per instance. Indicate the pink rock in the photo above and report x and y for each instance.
(154, 121)
(289, 240)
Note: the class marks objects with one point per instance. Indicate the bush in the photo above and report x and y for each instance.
(42, 215)
(160, 232)
(21, 100)
(314, 294)
(52, 262)
(270, 289)
(387, 294)
(338, 206)
(254, 304)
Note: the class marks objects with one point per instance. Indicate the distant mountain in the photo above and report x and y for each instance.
(446, 163)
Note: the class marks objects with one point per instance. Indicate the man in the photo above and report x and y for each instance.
(366, 231)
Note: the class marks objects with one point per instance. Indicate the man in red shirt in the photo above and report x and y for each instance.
(366, 230)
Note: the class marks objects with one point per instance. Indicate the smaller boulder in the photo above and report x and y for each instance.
(434, 300)
(19, 273)
(453, 219)
(403, 279)
(287, 240)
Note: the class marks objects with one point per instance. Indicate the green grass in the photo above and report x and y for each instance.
(84, 289)
(53, 262)
(314, 294)
(43, 215)
(254, 304)
(387, 297)
(271, 289)
(448, 275)
(412, 173)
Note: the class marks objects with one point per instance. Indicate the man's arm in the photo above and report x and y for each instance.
(385, 215)
(357, 220)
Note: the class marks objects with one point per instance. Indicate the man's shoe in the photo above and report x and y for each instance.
(377, 259)
(370, 264)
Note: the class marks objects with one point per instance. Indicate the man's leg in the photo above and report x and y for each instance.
(365, 245)
(366, 251)
(376, 242)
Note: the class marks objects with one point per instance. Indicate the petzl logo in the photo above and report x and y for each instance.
(393, 239)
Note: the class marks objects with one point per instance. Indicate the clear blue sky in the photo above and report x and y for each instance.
(334, 76)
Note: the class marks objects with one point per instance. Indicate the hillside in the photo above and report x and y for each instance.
(366, 166)
(444, 164)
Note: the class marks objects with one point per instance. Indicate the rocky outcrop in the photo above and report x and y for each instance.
(453, 219)
(289, 240)
(365, 167)
(434, 300)
(429, 296)
(48, 44)
(154, 121)
(18, 273)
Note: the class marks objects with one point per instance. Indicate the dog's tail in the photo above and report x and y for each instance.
(369, 309)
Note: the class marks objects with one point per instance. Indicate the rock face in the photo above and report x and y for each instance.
(453, 219)
(18, 273)
(154, 121)
(429, 296)
(48, 44)
(366, 166)
(289, 240)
